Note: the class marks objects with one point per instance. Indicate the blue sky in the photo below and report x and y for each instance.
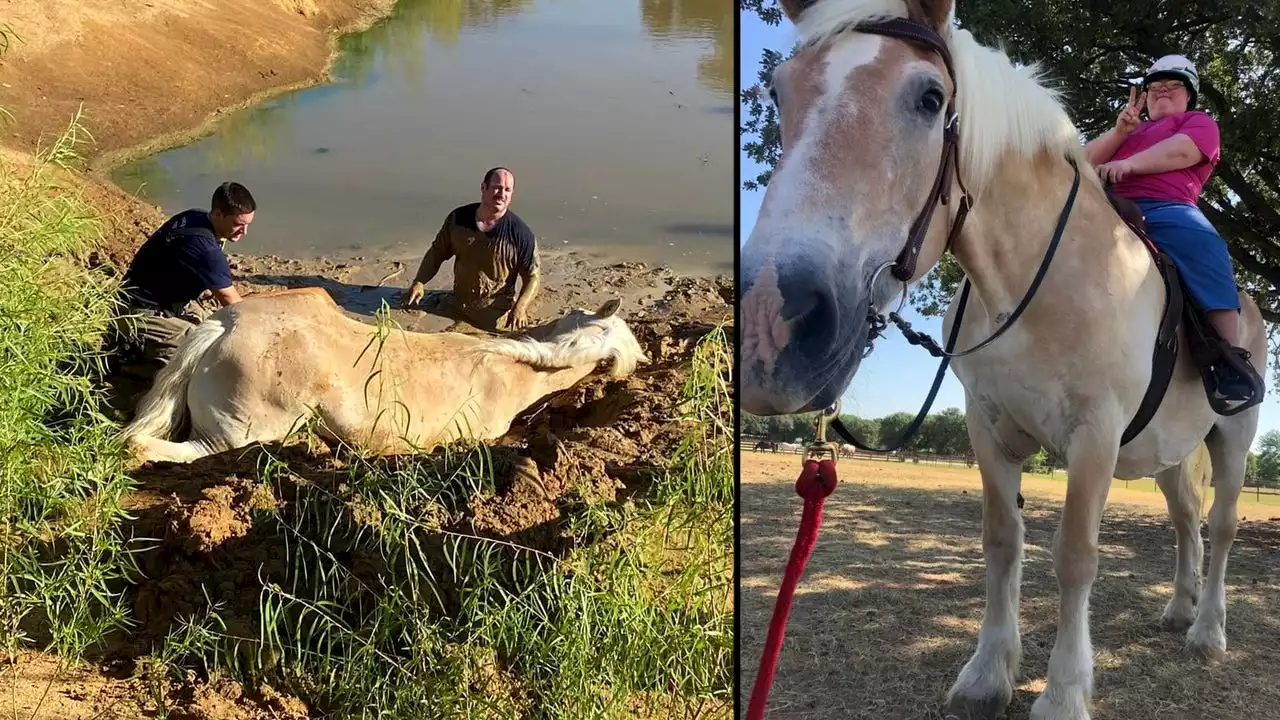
(896, 377)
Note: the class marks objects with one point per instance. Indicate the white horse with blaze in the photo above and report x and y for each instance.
(862, 126)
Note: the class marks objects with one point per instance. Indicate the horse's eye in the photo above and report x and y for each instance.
(931, 101)
(773, 95)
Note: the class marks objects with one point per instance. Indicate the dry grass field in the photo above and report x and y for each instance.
(889, 606)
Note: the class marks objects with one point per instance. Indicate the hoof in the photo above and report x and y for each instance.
(1207, 649)
(1075, 709)
(1174, 622)
(974, 708)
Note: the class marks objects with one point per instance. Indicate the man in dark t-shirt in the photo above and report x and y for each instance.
(180, 263)
(492, 248)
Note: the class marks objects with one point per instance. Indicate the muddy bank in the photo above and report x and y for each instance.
(362, 284)
(156, 73)
(150, 75)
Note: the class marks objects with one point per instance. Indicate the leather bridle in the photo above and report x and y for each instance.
(904, 267)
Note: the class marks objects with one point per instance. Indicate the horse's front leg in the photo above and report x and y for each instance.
(985, 684)
(1091, 462)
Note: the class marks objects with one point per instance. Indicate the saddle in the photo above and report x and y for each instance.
(1206, 347)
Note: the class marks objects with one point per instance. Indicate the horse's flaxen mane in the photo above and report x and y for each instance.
(594, 340)
(1003, 108)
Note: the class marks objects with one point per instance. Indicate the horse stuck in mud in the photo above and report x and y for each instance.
(258, 370)
(878, 91)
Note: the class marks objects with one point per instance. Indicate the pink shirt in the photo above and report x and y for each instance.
(1176, 185)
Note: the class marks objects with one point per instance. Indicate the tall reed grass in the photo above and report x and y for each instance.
(62, 559)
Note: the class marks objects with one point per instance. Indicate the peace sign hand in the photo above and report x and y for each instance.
(1130, 116)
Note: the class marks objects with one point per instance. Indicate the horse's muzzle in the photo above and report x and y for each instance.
(803, 335)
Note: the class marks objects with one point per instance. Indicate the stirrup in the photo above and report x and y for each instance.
(1237, 360)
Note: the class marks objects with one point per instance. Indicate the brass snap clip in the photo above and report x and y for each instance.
(820, 449)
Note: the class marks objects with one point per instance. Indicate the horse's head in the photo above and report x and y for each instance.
(862, 118)
(580, 329)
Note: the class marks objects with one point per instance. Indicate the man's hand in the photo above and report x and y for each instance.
(1115, 171)
(1131, 115)
(515, 319)
(414, 294)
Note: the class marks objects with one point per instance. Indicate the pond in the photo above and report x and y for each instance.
(615, 117)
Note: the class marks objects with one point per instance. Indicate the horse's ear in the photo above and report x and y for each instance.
(937, 14)
(795, 8)
(609, 307)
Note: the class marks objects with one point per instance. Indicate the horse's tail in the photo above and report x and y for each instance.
(1197, 472)
(164, 407)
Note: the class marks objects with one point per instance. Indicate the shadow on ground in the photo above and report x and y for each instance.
(889, 606)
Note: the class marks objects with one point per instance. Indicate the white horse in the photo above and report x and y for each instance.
(862, 121)
(257, 370)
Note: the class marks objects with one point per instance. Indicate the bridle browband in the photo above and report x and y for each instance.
(904, 267)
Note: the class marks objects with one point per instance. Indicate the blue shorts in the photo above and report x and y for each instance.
(1183, 233)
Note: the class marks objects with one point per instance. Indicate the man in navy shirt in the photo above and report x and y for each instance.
(180, 263)
(491, 248)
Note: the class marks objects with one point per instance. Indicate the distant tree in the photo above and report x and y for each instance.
(1038, 463)
(1269, 457)
(1251, 469)
(891, 427)
(945, 433)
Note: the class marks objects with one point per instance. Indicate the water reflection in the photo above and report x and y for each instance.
(401, 39)
(252, 134)
(700, 20)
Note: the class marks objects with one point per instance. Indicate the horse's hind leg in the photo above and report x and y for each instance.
(149, 449)
(1181, 494)
(985, 684)
(1228, 447)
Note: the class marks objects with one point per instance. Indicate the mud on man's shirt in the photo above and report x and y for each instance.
(486, 264)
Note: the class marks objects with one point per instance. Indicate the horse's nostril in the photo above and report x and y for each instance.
(809, 305)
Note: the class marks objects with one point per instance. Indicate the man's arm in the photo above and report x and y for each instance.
(227, 296)
(441, 249)
(216, 274)
(530, 279)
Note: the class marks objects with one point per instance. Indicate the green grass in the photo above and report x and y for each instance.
(62, 560)
(385, 612)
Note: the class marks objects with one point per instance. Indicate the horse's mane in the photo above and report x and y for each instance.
(594, 340)
(1003, 108)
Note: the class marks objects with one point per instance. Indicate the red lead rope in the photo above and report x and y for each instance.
(816, 482)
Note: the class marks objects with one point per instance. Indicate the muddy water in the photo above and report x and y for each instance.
(616, 117)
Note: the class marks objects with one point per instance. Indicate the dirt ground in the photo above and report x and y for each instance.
(890, 603)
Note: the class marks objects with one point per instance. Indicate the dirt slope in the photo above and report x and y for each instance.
(149, 72)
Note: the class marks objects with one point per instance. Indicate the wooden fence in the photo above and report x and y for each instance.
(925, 458)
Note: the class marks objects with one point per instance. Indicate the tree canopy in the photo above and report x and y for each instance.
(1093, 50)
